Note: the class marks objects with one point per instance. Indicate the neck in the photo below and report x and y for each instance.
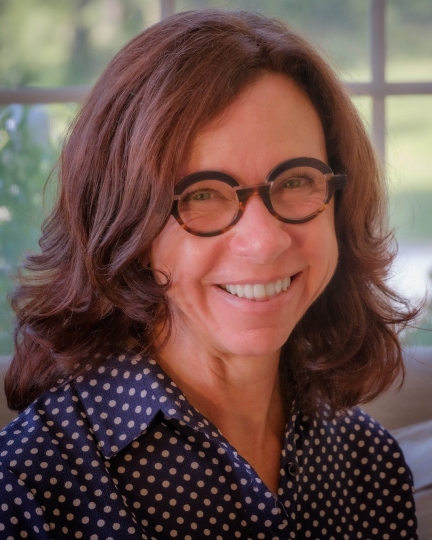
(239, 395)
(222, 381)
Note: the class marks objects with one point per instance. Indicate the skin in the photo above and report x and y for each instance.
(224, 351)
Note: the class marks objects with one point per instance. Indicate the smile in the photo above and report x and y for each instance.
(258, 291)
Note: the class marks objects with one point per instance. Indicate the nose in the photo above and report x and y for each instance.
(259, 236)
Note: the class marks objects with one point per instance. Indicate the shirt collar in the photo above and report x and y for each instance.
(123, 396)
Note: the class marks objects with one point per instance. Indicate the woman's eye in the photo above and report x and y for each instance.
(200, 196)
(293, 183)
(296, 182)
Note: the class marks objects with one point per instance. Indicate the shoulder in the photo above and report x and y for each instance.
(33, 457)
(48, 438)
(63, 418)
(357, 448)
(95, 414)
(364, 454)
(20, 514)
(361, 466)
(354, 427)
(356, 437)
(368, 437)
(54, 409)
(53, 461)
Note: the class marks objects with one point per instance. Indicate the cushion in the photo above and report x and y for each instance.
(416, 444)
(413, 403)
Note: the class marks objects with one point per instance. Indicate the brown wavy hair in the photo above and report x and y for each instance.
(89, 293)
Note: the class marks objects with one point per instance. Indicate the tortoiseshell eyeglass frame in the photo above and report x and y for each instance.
(334, 183)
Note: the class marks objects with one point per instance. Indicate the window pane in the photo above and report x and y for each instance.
(339, 28)
(409, 148)
(409, 43)
(62, 43)
(364, 107)
(409, 121)
(29, 142)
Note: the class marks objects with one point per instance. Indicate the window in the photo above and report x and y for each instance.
(52, 50)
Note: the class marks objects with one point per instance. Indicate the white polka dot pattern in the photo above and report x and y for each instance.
(119, 453)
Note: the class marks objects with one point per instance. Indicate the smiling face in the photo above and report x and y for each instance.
(242, 292)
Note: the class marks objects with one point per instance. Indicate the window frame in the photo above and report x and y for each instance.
(377, 88)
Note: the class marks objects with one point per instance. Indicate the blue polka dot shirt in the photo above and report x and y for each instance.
(119, 453)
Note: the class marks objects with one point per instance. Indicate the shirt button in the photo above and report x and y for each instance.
(293, 469)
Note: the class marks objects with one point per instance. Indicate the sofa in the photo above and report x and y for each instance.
(406, 413)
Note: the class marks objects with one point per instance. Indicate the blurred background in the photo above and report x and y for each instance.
(51, 51)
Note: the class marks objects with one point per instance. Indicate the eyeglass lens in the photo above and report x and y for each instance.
(211, 205)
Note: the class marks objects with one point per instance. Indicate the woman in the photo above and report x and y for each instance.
(212, 336)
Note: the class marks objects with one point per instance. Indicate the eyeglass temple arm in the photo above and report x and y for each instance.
(338, 181)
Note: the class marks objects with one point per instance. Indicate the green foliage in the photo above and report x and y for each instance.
(26, 157)
(58, 43)
(409, 29)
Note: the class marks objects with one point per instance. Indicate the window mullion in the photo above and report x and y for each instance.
(167, 8)
(34, 95)
(378, 61)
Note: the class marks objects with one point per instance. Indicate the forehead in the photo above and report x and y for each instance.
(271, 121)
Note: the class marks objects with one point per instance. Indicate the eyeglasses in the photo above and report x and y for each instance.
(208, 203)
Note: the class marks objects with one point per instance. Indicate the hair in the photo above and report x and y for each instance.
(89, 292)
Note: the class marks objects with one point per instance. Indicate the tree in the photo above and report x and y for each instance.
(26, 158)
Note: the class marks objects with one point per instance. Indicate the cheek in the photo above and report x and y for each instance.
(331, 257)
(327, 249)
(182, 256)
(163, 253)
(322, 250)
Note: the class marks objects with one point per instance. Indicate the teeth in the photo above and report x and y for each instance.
(248, 291)
(270, 289)
(258, 291)
(239, 291)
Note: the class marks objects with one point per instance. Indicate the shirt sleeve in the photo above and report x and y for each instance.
(20, 514)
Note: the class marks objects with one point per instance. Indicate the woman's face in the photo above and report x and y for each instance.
(272, 121)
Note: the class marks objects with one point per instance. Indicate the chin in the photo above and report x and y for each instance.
(255, 343)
